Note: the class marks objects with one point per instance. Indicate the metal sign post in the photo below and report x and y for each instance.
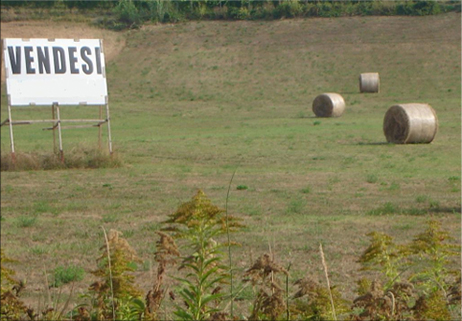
(13, 156)
(108, 129)
(60, 138)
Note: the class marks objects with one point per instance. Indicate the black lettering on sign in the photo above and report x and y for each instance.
(59, 60)
(43, 60)
(73, 60)
(98, 60)
(88, 68)
(15, 61)
(29, 60)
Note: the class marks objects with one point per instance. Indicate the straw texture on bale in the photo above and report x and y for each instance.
(369, 82)
(328, 105)
(410, 123)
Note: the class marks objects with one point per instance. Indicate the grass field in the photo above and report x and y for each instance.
(194, 102)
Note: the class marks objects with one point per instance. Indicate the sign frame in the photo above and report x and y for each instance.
(35, 74)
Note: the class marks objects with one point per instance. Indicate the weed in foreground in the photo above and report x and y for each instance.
(166, 254)
(114, 296)
(312, 301)
(198, 224)
(412, 281)
(269, 302)
(12, 308)
(430, 290)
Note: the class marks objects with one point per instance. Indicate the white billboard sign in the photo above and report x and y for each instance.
(47, 71)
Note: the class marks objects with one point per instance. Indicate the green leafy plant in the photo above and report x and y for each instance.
(385, 256)
(27, 221)
(433, 255)
(63, 275)
(371, 178)
(198, 223)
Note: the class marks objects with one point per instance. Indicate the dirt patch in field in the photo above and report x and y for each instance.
(113, 41)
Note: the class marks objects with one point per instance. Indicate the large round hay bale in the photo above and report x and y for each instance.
(369, 82)
(328, 105)
(410, 123)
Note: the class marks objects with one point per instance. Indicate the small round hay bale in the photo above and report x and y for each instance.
(369, 82)
(328, 105)
(410, 123)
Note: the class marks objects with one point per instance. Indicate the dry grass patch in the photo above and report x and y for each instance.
(78, 157)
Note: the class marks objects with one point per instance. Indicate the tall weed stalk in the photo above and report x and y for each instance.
(198, 224)
(229, 246)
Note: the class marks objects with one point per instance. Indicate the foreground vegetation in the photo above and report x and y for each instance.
(195, 104)
(413, 283)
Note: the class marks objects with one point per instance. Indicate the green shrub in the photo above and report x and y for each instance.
(27, 221)
(387, 208)
(128, 13)
(63, 275)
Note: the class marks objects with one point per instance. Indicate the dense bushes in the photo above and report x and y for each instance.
(131, 13)
(252, 10)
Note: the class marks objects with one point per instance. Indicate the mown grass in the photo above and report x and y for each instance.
(193, 102)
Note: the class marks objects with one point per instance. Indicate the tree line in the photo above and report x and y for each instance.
(133, 13)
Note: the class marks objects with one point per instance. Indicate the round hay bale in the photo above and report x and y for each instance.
(369, 82)
(410, 123)
(328, 105)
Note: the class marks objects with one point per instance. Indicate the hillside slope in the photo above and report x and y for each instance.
(261, 63)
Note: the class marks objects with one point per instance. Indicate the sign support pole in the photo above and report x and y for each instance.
(108, 128)
(54, 126)
(61, 152)
(99, 127)
(10, 121)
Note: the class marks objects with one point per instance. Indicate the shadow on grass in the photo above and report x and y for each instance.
(440, 210)
(390, 209)
(373, 143)
(351, 93)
